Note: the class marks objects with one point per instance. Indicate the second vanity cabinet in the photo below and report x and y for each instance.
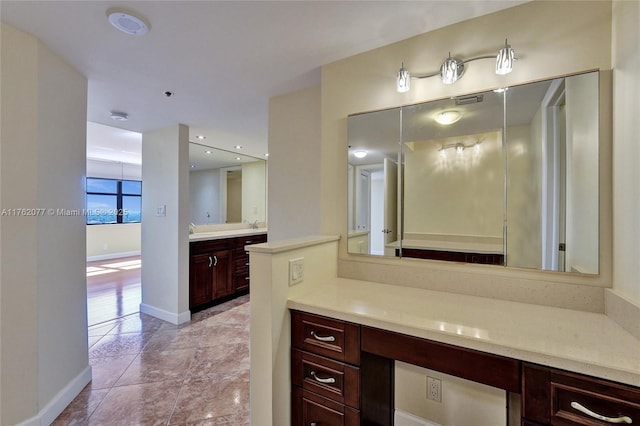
(219, 269)
(342, 375)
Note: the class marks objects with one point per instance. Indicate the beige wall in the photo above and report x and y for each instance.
(454, 193)
(524, 161)
(44, 359)
(294, 178)
(366, 82)
(111, 241)
(165, 239)
(626, 150)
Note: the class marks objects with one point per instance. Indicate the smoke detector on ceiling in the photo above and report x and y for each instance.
(127, 22)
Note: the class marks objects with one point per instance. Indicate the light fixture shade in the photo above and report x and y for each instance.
(451, 70)
(403, 82)
(448, 117)
(504, 60)
(360, 154)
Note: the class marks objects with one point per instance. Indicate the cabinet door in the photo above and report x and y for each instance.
(222, 270)
(200, 276)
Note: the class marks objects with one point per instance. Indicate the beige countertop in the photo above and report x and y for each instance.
(582, 342)
(216, 235)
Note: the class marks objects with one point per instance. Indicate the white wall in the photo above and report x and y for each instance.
(113, 170)
(294, 185)
(44, 359)
(112, 241)
(626, 150)
(165, 238)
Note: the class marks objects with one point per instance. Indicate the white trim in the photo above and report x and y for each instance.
(170, 317)
(113, 256)
(402, 418)
(60, 401)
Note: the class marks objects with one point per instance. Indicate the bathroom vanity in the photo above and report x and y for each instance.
(219, 265)
(557, 366)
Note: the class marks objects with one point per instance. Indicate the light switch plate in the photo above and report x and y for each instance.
(296, 271)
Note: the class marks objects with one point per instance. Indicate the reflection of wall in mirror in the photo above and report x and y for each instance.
(254, 193)
(582, 174)
(204, 196)
(448, 192)
(524, 158)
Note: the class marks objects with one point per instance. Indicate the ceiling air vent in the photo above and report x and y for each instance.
(466, 100)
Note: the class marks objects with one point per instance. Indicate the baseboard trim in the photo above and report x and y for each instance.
(112, 256)
(170, 317)
(60, 401)
(402, 418)
(622, 311)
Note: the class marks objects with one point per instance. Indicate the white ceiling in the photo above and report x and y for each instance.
(222, 59)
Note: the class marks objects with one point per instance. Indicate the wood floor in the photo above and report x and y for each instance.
(113, 289)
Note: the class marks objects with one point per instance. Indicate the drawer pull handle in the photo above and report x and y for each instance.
(323, 338)
(585, 410)
(313, 424)
(328, 380)
(215, 260)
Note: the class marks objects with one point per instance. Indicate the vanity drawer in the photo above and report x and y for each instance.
(581, 400)
(309, 409)
(332, 379)
(332, 338)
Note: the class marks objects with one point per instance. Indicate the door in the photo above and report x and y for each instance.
(222, 274)
(390, 201)
(200, 284)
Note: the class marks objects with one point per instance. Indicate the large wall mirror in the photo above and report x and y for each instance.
(507, 177)
(225, 187)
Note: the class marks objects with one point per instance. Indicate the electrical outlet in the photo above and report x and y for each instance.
(434, 389)
(296, 271)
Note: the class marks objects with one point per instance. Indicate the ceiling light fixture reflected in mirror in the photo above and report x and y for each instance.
(448, 117)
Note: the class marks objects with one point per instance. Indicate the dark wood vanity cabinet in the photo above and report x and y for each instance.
(342, 374)
(555, 397)
(325, 371)
(219, 269)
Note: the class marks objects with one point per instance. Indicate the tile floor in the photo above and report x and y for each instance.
(149, 372)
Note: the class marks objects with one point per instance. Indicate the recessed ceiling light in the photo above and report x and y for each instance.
(360, 154)
(127, 22)
(119, 116)
(238, 147)
(238, 158)
(208, 152)
(201, 137)
(193, 166)
(267, 154)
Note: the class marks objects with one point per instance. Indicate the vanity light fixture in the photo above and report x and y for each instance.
(453, 68)
(460, 147)
(448, 117)
(360, 154)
